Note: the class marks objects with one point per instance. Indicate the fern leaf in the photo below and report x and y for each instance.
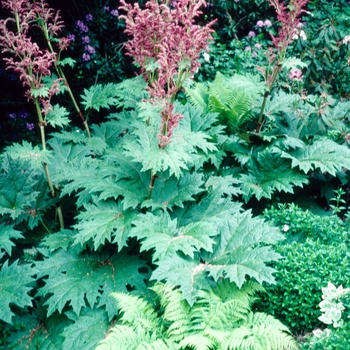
(197, 342)
(15, 281)
(176, 311)
(268, 335)
(324, 155)
(136, 312)
(198, 95)
(87, 330)
(81, 279)
(120, 338)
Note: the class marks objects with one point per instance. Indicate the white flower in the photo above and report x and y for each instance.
(346, 39)
(285, 228)
(206, 56)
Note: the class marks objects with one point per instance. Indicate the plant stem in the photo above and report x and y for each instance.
(65, 81)
(151, 185)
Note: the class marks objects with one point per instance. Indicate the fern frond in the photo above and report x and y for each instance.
(126, 338)
(198, 96)
(176, 311)
(197, 342)
(260, 332)
(136, 312)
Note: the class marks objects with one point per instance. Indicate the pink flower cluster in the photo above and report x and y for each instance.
(289, 18)
(166, 42)
(22, 54)
(295, 74)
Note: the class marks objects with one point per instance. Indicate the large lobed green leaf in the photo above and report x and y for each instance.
(323, 155)
(241, 250)
(15, 281)
(81, 279)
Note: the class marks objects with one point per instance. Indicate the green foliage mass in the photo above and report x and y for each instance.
(220, 319)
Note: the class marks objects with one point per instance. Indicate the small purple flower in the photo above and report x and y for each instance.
(267, 23)
(85, 40)
(86, 57)
(248, 48)
(251, 34)
(71, 37)
(106, 8)
(114, 13)
(89, 17)
(236, 0)
(81, 26)
(254, 54)
(12, 115)
(258, 46)
(260, 23)
(90, 49)
(30, 126)
(23, 115)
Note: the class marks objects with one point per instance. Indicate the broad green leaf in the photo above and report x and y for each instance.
(241, 250)
(211, 209)
(58, 116)
(86, 279)
(103, 221)
(34, 331)
(99, 96)
(14, 288)
(26, 152)
(17, 183)
(323, 155)
(170, 191)
(42, 91)
(62, 239)
(67, 61)
(161, 234)
(281, 101)
(271, 174)
(7, 233)
(87, 330)
(293, 62)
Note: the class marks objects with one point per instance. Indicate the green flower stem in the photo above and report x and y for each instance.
(276, 70)
(63, 77)
(42, 124)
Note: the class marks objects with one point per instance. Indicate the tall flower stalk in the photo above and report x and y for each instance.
(32, 64)
(289, 18)
(166, 43)
(51, 24)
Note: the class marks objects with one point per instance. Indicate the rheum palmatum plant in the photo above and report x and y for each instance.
(288, 17)
(166, 44)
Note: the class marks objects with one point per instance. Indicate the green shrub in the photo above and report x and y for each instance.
(299, 224)
(306, 268)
